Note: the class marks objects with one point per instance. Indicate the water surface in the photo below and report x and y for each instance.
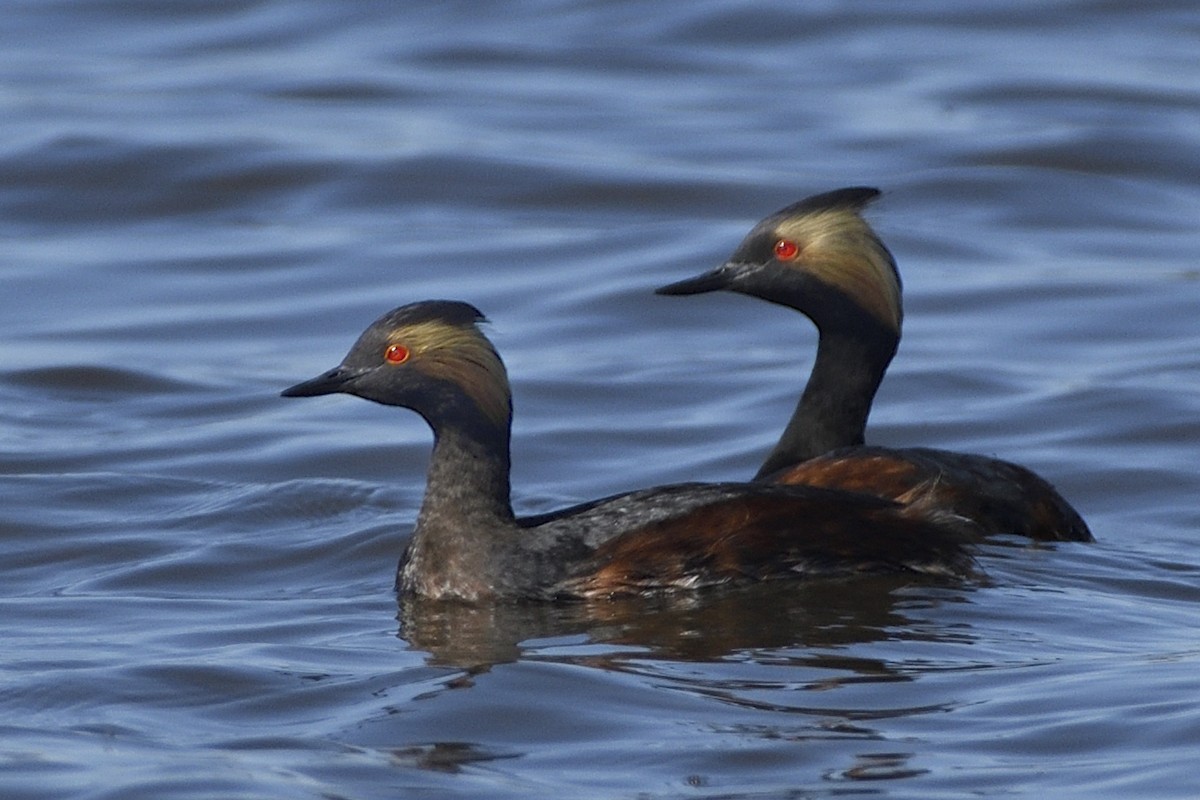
(202, 203)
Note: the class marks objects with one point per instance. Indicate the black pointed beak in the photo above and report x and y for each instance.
(331, 382)
(720, 278)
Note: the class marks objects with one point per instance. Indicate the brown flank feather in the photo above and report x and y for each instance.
(766, 537)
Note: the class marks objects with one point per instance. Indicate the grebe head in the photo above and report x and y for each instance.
(818, 256)
(430, 357)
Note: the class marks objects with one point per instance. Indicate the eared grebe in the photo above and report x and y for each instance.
(431, 357)
(821, 258)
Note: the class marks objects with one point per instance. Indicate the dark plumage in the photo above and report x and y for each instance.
(431, 357)
(821, 258)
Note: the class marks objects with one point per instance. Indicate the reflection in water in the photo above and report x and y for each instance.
(879, 766)
(703, 626)
(449, 757)
(476, 636)
(730, 659)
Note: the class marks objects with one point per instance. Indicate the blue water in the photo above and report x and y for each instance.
(203, 202)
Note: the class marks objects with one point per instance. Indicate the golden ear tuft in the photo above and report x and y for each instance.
(840, 249)
(461, 355)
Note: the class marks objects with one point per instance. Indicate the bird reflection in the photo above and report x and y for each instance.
(768, 653)
(448, 757)
(705, 626)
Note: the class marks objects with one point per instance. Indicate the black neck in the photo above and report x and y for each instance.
(468, 480)
(466, 514)
(833, 410)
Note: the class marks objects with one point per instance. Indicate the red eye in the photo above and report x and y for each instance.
(786, 250)
(396, 354)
